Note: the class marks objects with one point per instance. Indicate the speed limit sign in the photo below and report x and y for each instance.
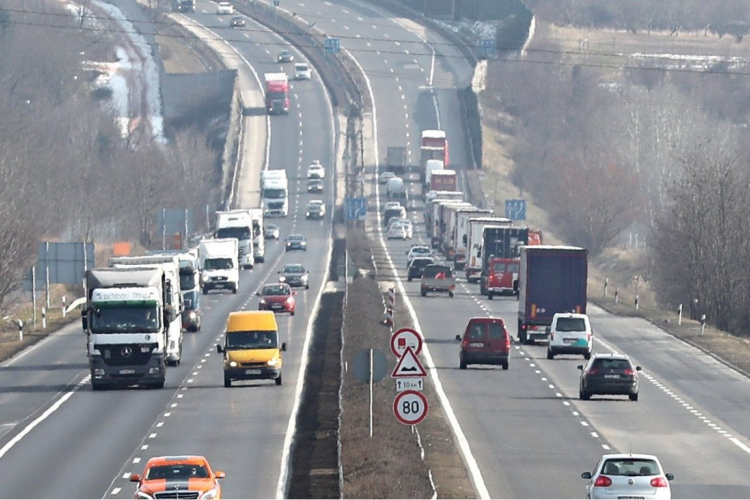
(410, 407)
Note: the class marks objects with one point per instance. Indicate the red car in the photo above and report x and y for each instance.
(485, 342)
(178, 477)
(277, 297)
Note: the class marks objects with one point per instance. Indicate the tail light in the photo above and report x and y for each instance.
(588, 337)
(551, 336)
(659, 482)
(593, 371)
(465, 342)
(629, 372)
(507, 341)
(523, 327)
(603, 481)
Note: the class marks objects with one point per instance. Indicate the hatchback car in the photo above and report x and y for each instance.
(237, 22)
(485, 342)
(296, 242)
(609, 374)
(302, 71)
(391, 204)
(386, 176)
(186, 476)
(316, 209)
(315, 186)
(407, 225)
(397, 232)
(628, 476)
(277, 297)
(271, 231)
(397, 212)
(285, 57)
(295, 275)
(418, 251)
(416, 267)
(224, 8)
(316, 171)
(570, 333)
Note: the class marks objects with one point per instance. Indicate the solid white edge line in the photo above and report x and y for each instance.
(471, 463)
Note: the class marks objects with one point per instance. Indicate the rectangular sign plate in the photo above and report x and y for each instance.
(409, 384)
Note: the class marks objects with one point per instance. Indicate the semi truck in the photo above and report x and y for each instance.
(170, 265)
(430, 167)
(219, 265)
(277, 93)
(238, 224)
(275, 195)
(395, 159)
(552, 280)
(460, 235)
(443, 180)
(473, 266)
(434, 146)
(450, 218)
(434, 196)
(126, 324)
(441, 220)
(259, 242)
(500, 242)
(190, 282)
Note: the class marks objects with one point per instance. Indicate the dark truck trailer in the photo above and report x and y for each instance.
(552, 280)
(500, 242)
(395, 159)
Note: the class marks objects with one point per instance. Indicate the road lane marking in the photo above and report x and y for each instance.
(116, 491)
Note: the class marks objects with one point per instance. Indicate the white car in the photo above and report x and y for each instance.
(628, 476)
(391, 204)
(302, 71)
(406, 223)
(385, 177)
(397, 232)
(224, 8)
(418, 251)
(316, 171)
(570, 333)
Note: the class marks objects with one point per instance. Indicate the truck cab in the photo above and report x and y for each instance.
(238, 224)
(220, 268)
(503, 277)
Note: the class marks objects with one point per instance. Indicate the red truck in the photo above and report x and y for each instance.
(444, 180)
(277, 93)
(503, 273)
(434, 146)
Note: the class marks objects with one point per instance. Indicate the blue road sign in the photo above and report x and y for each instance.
(355, 208)
(332, 45)
(486, 47)
(515, 209)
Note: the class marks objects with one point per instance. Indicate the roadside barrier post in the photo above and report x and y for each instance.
(44, 318)
(617, 294)
(606, 285)
(703, 324)
(20, 330)
(63, 306)
(371, 377)
(679, 315)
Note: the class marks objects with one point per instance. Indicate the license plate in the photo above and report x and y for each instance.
(252, 372)
(126, 371)
(476, 344)
(276, 306)
(569, 341)
(611, 376)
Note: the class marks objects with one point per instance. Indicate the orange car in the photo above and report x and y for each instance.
(178, 477)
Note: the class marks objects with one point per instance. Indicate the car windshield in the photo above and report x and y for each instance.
(241, 233)
(314, 182)
(177, 471)
(252, 340)
(300, 67)
(271, 228)
(293, 269)
(124, 318)
(570, 325)
(191, 300)
(274, 193)
(630, 467)
(295, 237)
(421, 263)
(315, 204)
(187, 280)
(277, 96)
(612, 364)
(217, 264)
(423, 250)
(275, 290)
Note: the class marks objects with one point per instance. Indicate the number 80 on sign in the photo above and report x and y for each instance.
(410, 407)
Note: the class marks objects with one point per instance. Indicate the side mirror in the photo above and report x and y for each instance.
(458, 338)
(134, 478)
(307, 272)
(220, 474)
(294, 293)
(168, 314)
(283, 346)
(580, 367)
(586, 475)
(257, 293)
(219, 349)
(85, 320)
(548, 330)
(669, 476)
(638, 368)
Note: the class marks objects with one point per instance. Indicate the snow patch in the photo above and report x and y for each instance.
(479, 80)
(688, 61)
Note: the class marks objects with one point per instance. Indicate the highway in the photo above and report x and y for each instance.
(59, 439)
(530, 435)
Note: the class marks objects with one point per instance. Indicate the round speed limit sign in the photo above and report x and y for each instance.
(410, 407)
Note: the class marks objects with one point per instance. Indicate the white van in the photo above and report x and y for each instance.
(396, 188)
(570, 333)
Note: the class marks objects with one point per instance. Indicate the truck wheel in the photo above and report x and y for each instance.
(278, 380)
(489, 295)
(450, 294)
(550, 355)
(634, 397)
(587, 355)
(234, 290)
(204, 290)
(506, 365)
(227, 381)
(482, 289)
(98, 386)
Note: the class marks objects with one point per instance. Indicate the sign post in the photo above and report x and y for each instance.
(369, 366)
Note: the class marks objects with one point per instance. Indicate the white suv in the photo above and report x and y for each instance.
(316, 171)
(570, 333)
(224, 8)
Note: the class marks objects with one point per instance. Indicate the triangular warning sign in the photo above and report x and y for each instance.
(409, 365)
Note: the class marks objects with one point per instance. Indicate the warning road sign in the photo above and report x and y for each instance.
(406, 337)
(410, 407)
(409, 366)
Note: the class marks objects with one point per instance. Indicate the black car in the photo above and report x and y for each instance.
(417, 265)
(316, 209)
(609, 374)
(237, 22)
(296, 242)
(285, 56)
(295, 275)
(315, 186)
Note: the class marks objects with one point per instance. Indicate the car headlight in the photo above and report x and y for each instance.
(288, 243)
(192, 315)
(233, 364)
(307, 214)
(204, 278)
(145, 496)
(282, 279)
(304, 277)
(262, 301)
(273, 362)
(209, 495)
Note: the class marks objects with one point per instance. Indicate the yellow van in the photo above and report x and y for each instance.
(251, 347)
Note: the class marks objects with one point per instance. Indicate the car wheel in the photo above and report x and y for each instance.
(423, 293)
(634, 397)
(585, 396)
(489, 295)
(587, 355)
(505, 365)
(550, 355)
(408, 279)
(450, 294)
(234, 290)
(278, 380)
(227, 381)
(307, 287)
(292, 313)
(462, 365)
(204, 290)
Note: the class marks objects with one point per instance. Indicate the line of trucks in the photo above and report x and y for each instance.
(502, 258)
(137, 308)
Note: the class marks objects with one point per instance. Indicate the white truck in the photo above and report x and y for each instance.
(434, 196)
(473, 265)
(125, 322)
(441, 221)
(431, 166)
(259, 244)
(219, 266)
(238, 224)
(451, 220)
(275, 195)
(190, 283)
(460, 235)
(170, 264)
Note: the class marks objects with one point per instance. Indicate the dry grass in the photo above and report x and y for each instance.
(178, 56)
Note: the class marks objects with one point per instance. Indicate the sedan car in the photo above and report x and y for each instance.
(186, 476)
(385, 177)
(296, 242)
(316, 170)
(277, 297)
(418, 251)
(302, 71)
(295, 275)
(397, 232)
(416, 267)
(315, 186)
(271, 231)
(224, 8)
(316, 209)
(237, 22)
(628, 476)
(407, 225)
(609, 374)
(285, 57)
